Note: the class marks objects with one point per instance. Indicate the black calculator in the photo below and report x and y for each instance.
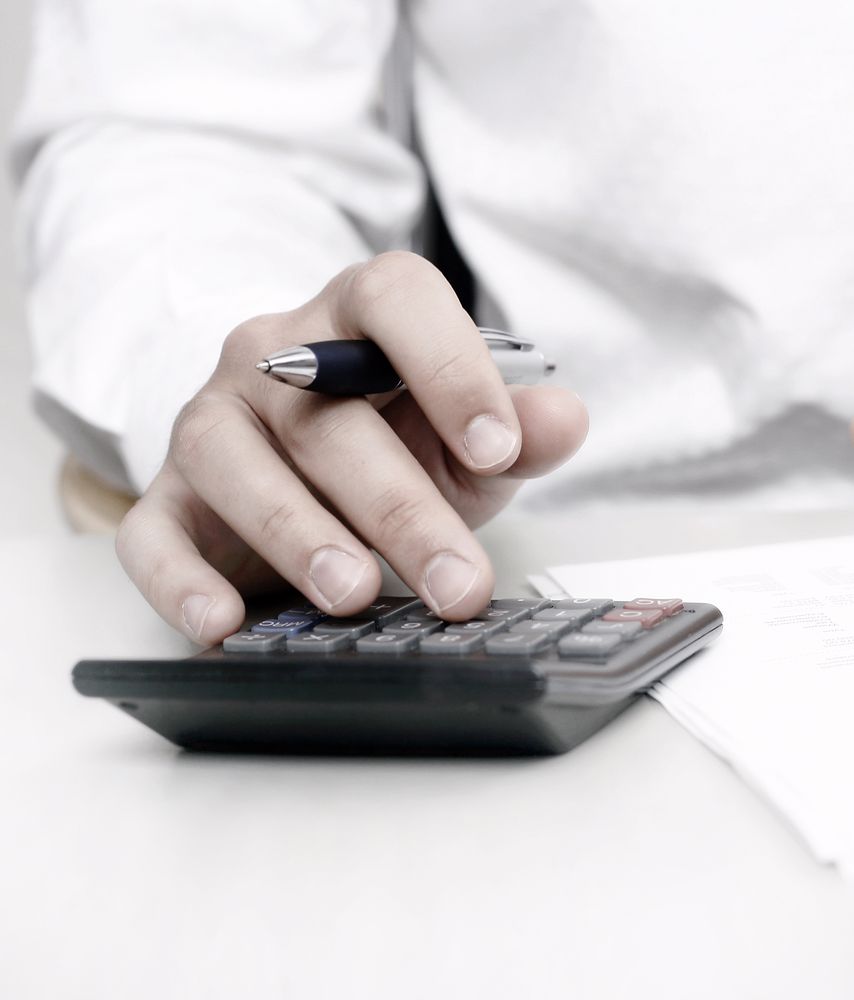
(525, 676)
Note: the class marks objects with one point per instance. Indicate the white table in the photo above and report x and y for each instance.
(636, 866)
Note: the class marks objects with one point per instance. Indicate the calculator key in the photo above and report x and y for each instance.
(507, 615)
(529, 604)
(301, 609)
(410, 628)
(669, 605)
(355, 628)
(296, 618)
(587, 646)
(577, 616)
(423, 614)
(481, 627)
(451, 643)
(253, 642)
(554, 628)
(385, 610)
(646, 618)
(286, 626)
(595, 605)
(387, 642)
(627, 630)
(518, 643)
(312, 642)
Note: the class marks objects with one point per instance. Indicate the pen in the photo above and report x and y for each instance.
(359, 367)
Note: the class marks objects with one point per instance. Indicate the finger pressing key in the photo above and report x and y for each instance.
(270, 508)
(348, 452)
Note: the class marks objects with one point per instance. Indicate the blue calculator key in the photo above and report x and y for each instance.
(286, 626)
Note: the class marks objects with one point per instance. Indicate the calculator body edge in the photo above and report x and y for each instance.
(353, 703)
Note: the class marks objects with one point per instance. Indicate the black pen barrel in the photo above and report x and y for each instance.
(352, 368)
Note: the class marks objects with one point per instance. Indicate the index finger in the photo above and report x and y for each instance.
(405, 305)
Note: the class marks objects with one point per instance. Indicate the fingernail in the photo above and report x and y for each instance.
(488, 441)
(336, 574)
(448, 578)
(195, 611)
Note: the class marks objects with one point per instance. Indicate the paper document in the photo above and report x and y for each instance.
(774, 695)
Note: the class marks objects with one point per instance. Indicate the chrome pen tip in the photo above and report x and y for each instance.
(263, 366)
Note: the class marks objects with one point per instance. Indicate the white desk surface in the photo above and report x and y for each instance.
(636, 866)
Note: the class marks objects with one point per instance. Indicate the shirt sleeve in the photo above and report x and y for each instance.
(183, 165)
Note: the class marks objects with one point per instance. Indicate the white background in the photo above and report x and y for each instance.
(30, 456)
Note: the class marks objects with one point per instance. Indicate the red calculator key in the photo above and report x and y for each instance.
(669, 605)
(647, 618)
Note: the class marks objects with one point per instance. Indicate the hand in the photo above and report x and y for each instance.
(264, 481)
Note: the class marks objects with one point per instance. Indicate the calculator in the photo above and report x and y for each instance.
(524, 676)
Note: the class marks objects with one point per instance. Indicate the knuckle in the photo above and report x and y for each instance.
(398, 513)
(389, 275)
(319, 426)
(134, 539)
(444, 370)
(158, 582)
(196, 423)
(127, 533)
(276, 524)
(254, 336)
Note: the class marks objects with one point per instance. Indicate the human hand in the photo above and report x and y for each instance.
(263, 481)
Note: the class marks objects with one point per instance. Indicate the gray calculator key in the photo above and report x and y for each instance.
(355, 628)
(387, 642)
(507, 615)
(423, 614)
(253, 642)
(595, 605)
(578, 616)
(313, 616)
(413, 628)
(313, 642)
(518, 643)
(477, 627)
(299, 608)
(584, 646)
(529, 604)
(451, 643)
(554, 628)
(628, 630)
(385, 610)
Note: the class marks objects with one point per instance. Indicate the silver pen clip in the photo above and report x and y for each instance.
(500, 338)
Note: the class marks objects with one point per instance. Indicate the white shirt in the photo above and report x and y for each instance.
(661, 194)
